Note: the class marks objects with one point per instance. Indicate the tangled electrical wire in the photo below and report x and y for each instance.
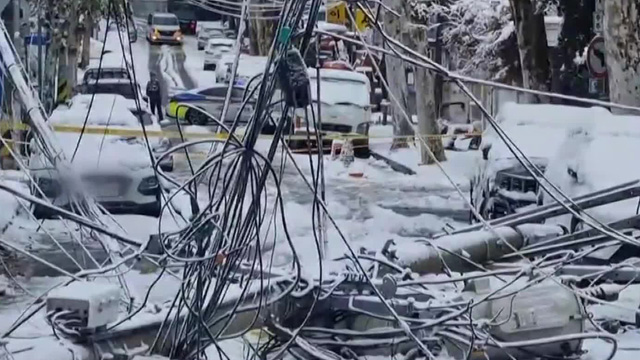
(227, 276)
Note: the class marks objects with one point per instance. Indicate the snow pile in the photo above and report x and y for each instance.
(590, 154)
(12, 207)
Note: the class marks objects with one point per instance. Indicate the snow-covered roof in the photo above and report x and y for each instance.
(339, 74)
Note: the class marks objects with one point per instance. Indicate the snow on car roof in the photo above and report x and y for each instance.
(221, 41)
(330, 27)
(339, 74)
(159, 14)
(107, 109)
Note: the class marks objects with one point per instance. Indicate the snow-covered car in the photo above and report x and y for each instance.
(216, 48)
(115, 169)
(591, 158)
(207, 32)
(210, 99)
(500, 185)
(159, 144)
(248, 67)
(164, 28)
(345, 106)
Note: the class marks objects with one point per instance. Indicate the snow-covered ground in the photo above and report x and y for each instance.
(381, 204)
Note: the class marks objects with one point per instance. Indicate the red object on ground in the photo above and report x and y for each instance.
(337, 65)
(356, 174)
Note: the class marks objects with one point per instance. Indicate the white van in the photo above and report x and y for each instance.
(164, 28)
(345, 106)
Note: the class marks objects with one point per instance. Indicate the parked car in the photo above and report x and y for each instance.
(164, 28)
(210, 99)
(216, 48)
(159, 144)
(500, 184)
(248, 67)
(115, 169)
(590, 158)
(209, 31)
(117, 86)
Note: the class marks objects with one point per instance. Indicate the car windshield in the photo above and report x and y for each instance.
(93, 74)
(342, 91)
(165, 20)
(123, 89)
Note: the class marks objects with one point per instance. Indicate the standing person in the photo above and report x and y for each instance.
(154, 95)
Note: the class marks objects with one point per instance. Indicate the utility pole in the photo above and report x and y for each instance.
(40, 58)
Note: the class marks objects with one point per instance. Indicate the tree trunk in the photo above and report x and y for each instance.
(622, 41)
(426, 102)
(261, 33)
(396, 77)
(68, 69)
(86, 41)
(532, 43)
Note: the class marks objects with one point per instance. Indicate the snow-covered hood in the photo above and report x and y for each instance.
(97, 153)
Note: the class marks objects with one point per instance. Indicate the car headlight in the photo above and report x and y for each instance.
(50, 187)
(149, 186)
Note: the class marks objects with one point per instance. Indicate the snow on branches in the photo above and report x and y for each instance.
(476, 34)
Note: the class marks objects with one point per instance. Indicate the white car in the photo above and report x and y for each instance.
(115, 169)
(117, 86)
(248, 67)
(216, 49)
(500, 184)
(159, 144)
(164, 28)
(207, 32)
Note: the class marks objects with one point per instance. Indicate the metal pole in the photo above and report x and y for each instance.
(40, 59)
(323, 220)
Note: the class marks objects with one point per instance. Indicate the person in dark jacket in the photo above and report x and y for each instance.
(155, 96)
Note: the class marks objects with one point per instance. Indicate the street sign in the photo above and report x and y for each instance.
(337, 13)
(596, 61)
(362, 20)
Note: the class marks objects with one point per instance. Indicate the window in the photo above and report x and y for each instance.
(92, 74)
(221, 91)
(165, 20)
(123, 89)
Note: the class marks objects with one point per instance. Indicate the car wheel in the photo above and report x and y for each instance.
(195, 117)
(200, 48)
(167, 167)
(41, 213)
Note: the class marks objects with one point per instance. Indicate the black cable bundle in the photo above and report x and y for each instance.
(294, 79)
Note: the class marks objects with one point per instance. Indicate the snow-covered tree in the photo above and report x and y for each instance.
(479, 37)
(622, 40)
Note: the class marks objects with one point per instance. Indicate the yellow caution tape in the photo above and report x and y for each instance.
(102, 130)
